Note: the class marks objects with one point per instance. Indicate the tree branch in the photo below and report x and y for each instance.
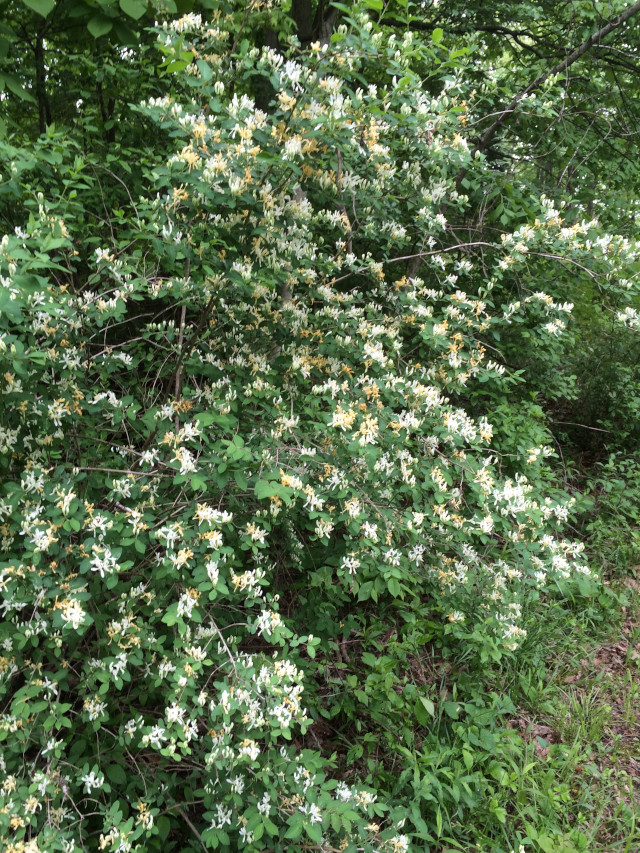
(579, 51)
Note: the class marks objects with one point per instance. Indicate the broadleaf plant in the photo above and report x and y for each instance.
(252, 417)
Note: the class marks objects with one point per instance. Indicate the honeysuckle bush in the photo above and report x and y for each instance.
(261, 424)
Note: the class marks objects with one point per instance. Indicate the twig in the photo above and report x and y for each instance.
(584, 426)
(190, 824)
(224, 643)
(593, 40)
(183, 317)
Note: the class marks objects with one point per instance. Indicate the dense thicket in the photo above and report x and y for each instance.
(300, 305)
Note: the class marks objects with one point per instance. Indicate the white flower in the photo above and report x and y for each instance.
(265, 806)
(92, 780)
(370, 531)
(246, 835)
(324, 527)
(256, 533)
(292, 148)
(174, 714)
(313, 812)
(237, 784)
(186, 459)
(212, 571)
(224, 816)
(105, 564)
(392, 556)
(250, 748)
(343, 793)
(72, 612)
(52, 745)
(351, 563)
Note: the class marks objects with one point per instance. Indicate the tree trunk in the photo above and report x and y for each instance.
(44, 109)
(302, 14)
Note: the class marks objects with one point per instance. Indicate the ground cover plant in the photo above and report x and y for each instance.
(283, 508)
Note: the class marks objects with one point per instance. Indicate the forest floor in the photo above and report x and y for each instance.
(580, 721)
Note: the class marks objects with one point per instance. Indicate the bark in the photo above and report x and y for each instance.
(106, 113)
(302, 14)
(44, 108)
(313, 27)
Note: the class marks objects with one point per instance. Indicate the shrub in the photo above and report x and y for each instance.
(247, 426)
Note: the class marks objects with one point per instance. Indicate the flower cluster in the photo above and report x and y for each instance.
(299, 420)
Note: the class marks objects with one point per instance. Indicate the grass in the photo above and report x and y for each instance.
(577, 689)
(557, 772)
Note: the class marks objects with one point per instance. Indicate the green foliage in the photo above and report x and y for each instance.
(263, 442)
(612, 518)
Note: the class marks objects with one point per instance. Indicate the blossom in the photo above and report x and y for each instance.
(187, 602)
(264, 807)
(256, 533)
(324, 528)
(92, 781)
(370, 531)
(103, 561)
(95, 707)
(72, 612)
(343, 419)
(312, 811)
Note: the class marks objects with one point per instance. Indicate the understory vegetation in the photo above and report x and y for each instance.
(320, 493)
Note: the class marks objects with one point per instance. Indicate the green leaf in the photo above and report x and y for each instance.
(424, 709)
(134, 8)
(99, 25)
(171, 616)
(294, 832)
(124, 34)
(265, 489)
(501, 814)
(164, 827)
(13, 84)
(42, 7)
(394, 587)
(177, 65)
(11, 307)
(205, 419)
(116, 774)
(452, 709)
(436, 35)
(270, 826)
(205, 69)
(428, 706)
(313, 830)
